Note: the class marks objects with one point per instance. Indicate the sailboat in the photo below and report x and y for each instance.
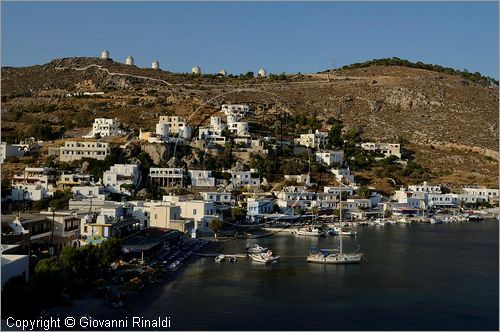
(333, 256)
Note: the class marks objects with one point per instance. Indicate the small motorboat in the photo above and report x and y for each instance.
(338, 231)
(475, 217)
(310, 231)
(265, 258)
(255, 249)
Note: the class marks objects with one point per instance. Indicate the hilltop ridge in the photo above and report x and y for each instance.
(450, 122)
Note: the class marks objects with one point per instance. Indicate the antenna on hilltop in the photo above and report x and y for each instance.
(332, 68)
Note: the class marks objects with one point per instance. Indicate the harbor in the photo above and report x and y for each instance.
(412, 271)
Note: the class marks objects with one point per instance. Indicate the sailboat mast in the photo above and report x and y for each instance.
(340, 214)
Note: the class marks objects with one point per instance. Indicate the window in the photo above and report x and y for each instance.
(194, 212)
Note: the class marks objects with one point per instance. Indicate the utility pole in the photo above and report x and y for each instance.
(52, 229)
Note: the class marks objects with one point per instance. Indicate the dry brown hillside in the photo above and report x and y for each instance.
(451, 123)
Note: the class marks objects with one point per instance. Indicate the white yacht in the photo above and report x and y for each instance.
(255, 249)
(310, 231)
(338, 231)
(329, 256)
(265, 257)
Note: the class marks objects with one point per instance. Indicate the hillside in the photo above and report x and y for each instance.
(450, 123)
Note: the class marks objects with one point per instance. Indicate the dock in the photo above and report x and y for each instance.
(227, 255)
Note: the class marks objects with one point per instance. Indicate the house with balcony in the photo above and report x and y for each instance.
(168, 176)
(122, 178)
(387, 149)
(73, 150)
(329, 157)
(201, 178)
(103, 127)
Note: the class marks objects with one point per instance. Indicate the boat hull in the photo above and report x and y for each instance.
(350, 259)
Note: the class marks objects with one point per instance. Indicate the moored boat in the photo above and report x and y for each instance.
(327, 256)
(265, 257)
(255, 249)
(310, 231)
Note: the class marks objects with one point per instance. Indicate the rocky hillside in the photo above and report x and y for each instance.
(444, 117)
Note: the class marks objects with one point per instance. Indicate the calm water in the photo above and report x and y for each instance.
(418, 277)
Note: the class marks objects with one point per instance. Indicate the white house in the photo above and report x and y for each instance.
(256, 206)
(105, 127)
(237, 127)
(317, 139)
(343, 175)
(387, 149)
(329, 157)
(425, 188)
(201, 178)
(244, 178)
(217, 197)
(175, 123)
(168, 176)
(212, 133)
(30, 192)
(73, 150)
(200, 211)
(236, 110)
(9, 150)
(337, 190)
(122, 174)
(46, 177)
(482, 193)
(90, 191)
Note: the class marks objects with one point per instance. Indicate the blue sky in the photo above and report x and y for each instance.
(243, 36)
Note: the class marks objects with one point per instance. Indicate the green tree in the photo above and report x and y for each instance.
(364, 192)
(109, 252)
(216, 225)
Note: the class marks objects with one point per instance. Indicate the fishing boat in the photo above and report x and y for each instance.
(255, 249)
(265, 257)
(404, 220)
(475, 217)
(338, 231)
(310, 231)
(333, 256)
(435, 220)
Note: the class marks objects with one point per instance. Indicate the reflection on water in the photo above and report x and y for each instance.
(416, 277)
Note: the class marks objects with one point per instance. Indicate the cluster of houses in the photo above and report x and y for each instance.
(91, 217)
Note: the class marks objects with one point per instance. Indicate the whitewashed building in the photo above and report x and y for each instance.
(168, 176)
(200, 211)
(387, 149)
(122, 174)
(257, 206)
(217, 197)
(329, 157)
(343, 175)
(318, 139)
(236, 110)
(105, 127)
(30, 192)
(73, 150)
(482, 193)
(173, 122)
(244, 178)
(201, 178)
